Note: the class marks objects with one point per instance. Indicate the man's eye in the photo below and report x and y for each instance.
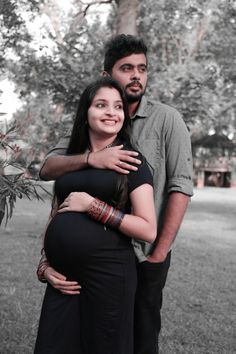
(142, 69)
(126, 68)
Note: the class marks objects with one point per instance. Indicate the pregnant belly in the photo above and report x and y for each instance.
(72, 237)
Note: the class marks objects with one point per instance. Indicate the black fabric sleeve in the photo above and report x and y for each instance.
(142, 176)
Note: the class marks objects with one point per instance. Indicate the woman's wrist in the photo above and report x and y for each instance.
(43, 265)
(41, 271)
(105, 214)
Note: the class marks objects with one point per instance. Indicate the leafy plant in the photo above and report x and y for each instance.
(13, 186)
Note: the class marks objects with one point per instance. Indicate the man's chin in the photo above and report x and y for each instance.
(131, 98)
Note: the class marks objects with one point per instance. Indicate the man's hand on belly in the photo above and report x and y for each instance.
(58, 281)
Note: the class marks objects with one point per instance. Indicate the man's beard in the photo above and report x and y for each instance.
(134, 98)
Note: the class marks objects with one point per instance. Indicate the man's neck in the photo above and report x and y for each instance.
(133, 108)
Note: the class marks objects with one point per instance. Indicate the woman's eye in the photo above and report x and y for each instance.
(119, 106)
(100, 105)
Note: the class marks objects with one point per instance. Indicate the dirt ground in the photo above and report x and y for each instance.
(199, 298)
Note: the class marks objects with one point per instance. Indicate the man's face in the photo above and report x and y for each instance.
(131, 72)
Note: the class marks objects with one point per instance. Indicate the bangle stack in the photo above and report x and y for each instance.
(105, 214)
(43, 265)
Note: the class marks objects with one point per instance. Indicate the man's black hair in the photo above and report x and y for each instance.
(122, 46)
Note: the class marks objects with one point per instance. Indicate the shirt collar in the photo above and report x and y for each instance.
(142, 109)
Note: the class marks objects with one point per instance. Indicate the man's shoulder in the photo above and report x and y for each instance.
(162, 108)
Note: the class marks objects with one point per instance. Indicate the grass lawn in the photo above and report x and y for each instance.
(199, 298)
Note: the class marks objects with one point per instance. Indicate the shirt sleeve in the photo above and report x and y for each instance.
(59, 149)
(142, 176)
(179, 166)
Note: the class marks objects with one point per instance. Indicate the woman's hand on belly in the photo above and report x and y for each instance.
(76, 201)
(58, 281)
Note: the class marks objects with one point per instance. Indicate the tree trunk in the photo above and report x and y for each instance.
(127, 14)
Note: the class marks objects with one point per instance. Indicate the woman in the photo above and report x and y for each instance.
(89, 237)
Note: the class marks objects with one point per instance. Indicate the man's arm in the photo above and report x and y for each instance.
(113, 158)
(174, 213)
(179, 185)
(57, 165)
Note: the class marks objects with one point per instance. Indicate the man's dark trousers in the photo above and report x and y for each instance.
(147, 317)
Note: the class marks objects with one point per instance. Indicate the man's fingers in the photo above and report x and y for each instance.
(121, 170)
(127, 153)
(62, 210)
(130, 153)
(126, 166)
(129, 159)
(119, 147)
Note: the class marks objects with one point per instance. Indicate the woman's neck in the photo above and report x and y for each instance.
(101, 144)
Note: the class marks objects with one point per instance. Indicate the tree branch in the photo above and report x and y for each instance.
(84, 12)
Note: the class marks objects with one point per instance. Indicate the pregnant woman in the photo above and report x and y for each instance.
(88, 238)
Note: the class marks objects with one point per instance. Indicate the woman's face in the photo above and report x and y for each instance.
(106, 114)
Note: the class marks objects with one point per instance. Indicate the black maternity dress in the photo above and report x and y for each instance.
(100, 319)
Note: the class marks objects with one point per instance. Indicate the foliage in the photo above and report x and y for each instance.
(188, 59)
(13, 185)
(40, 123)
(191, 60)
(14, 35)
(50, 76)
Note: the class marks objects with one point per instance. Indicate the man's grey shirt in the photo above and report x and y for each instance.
(160, 134)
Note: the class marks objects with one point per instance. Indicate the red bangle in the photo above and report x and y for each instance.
(105, 214)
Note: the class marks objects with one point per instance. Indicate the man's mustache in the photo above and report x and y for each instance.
(135, 82)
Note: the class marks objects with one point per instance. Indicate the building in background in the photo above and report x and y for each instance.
(214, 160)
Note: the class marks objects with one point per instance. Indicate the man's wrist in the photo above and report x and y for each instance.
(87, 162)
(90, 158)
(159, 254)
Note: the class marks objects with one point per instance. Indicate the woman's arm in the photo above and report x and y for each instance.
(140, 224)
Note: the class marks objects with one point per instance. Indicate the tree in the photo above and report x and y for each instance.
(185, 66)
(127, 14)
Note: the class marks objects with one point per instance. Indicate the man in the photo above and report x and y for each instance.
(160, 134)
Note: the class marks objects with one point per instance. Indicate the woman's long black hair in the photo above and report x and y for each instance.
(79, 141)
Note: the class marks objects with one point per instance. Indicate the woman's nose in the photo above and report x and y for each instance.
(110, 111)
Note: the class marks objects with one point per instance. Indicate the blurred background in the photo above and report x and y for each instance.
(49, 51)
